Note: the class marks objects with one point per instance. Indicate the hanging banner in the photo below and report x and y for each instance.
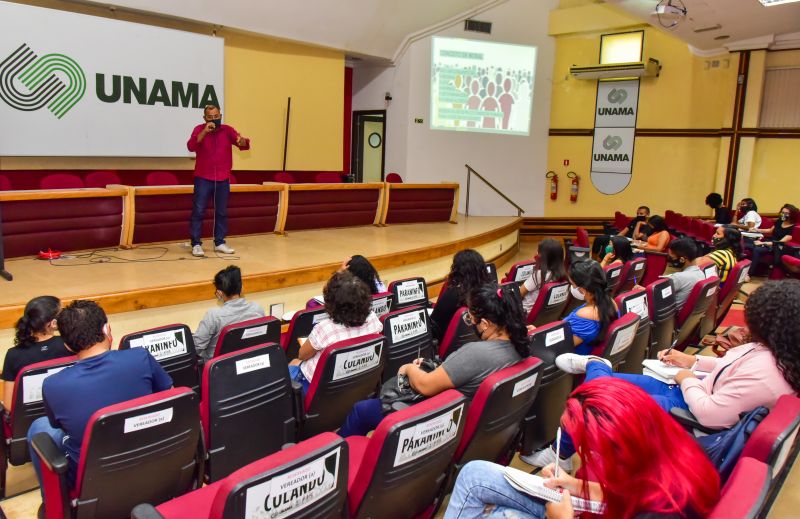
(614, 135)
(79, 85)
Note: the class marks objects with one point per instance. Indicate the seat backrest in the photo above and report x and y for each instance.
(308, 479)
(581, 237)
(710, 270)
(458, 333)
(546, 343)
(745, 492)
(347, 371)
(29, 405)
(620, 220)
(519, 271)
(173, 347)
(491, 268)
(409, 292)
(619, 338)
(381, 303)
(613, 276)
(774, 438)
(656, 264)
(285, 177)
(140, 451)
(394, 178)
(407, 459)
(636, 301)
(101, 178)
(727, 293)
(688, 319)
(5, 183)
(61, 181)
(238, 336)
(161, 178)
(303, 321)
(408, 337)
(549, 304)
(495, 414)
(247, 408)
(632, 274)
(662, 305)
(328, 177)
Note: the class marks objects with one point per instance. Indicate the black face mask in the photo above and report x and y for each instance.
(477, 332)
(641, 218)
(677, 263)
(716, 240)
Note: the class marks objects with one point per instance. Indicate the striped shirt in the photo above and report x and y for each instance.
(724, 260)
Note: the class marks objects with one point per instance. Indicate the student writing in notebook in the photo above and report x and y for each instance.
(643, 465)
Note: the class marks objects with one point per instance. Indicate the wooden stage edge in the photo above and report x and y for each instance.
(167, 295)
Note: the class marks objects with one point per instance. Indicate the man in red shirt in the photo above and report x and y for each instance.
(212, 142)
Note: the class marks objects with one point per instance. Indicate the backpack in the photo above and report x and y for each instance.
(725, 447)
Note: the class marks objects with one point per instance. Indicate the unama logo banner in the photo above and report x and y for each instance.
(78, 85)
(614, 135)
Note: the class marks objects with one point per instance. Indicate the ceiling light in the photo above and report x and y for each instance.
(768, 3)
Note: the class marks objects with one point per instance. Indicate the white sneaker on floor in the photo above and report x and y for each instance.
(198, 251)
(544, 457)
(223, 248)
(574, 363)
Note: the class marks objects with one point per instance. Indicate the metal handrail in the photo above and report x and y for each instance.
(470, 171)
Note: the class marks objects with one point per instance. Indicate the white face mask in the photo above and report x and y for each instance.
(576, 293)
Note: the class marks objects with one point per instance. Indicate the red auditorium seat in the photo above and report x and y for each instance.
(409, 292)
(347, 371)
(394, 178)
(398, 471)
(688, 319)
(382, 303)
(632, 274)
(662, 306)
(776, 435)
(5, 183)
(238, 336)
(408, 337)
(61, 181)
(25, 410)
(618, 340)
(173, 347)
(140, 451)
(302, 323)
(544, 417)
(550, 303)
(745, 493)
(247, 408)
(519, 271)
(458, 333)
(656, 265)
(162, 178)
(724, 298)
(621, 221)
(285, 177)
(102, 178)
(328, 177)
(636, 302)
(246, 492)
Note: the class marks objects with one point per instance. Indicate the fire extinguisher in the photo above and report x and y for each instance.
(553, 184)
(573, 188)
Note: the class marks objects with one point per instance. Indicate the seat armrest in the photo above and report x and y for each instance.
(145, 511)
(298, 400)
(399, 406)
(52, 457)
(688, 420)
(54, 466)
(575, 248)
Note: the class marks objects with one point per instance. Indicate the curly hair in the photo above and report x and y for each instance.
(347, 299)
(771, 314)
(81, 324)
(714, 200)
(467, 273)
(38, 312)
(502, 306)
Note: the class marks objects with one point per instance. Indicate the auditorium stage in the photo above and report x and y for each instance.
(276, 269)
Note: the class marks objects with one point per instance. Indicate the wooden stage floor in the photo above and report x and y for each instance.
(152, 276)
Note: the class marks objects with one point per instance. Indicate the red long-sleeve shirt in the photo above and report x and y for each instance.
(214, 156)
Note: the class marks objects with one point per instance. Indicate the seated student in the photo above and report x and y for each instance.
(620, 252)
(349, 304)
(234, 309)
(722, 215)
(496, 315)
(640, 461)
(601, 246)
(467, 272)
(35, 341)
(682, 256)
(100, 378)
(637, 229)
(727, 242)
(659, 236)
(780, 233)
(549, 267)
(747, 217)
(361, 268)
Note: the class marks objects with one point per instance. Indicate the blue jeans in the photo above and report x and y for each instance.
(666, 396)
(42, 425)
(363, 418)
(203, 191)
(296, 374)
(482, 483)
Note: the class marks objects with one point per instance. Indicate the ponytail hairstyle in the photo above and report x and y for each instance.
(589, 275)
(622, 248)
(467, 273)
(551, 261)
(38, 313)
(361, 268)
(502, 306)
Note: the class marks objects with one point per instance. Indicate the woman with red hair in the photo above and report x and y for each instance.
(642, 464)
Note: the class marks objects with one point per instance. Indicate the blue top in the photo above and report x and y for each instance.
(72, 395)
(586, 329)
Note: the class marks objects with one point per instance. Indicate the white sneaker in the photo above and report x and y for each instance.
(198, 251)
(574, 363)
(223, 248)
(544, 457)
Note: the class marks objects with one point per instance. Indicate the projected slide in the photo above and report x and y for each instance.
(480, 86)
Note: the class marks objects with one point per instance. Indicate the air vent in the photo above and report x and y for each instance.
(476, 26)
(710, 28)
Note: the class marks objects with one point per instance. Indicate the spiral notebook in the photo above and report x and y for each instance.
(533, 485)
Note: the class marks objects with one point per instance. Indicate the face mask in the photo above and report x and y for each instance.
(716, 240)
(677, 263)
(609, 249)
(784, 217)
(641, 218)
(576, 293)
(217, 122)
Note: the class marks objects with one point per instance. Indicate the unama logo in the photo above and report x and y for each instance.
(54, 81)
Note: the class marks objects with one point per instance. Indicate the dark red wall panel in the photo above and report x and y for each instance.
(420, 205)
(324, 208)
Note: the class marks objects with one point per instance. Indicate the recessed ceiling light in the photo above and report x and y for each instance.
(722, 37)
(769, 3)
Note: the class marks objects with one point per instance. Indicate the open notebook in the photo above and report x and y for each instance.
(533, 485)
(663, 372)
